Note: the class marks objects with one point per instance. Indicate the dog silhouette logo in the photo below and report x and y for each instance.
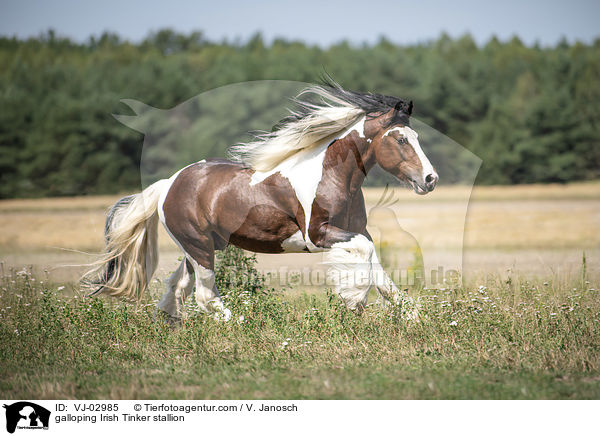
(26, 415)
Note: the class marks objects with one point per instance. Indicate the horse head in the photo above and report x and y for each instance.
(397, 149)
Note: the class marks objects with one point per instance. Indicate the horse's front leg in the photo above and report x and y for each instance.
(355, 269)
(350, 256)
(389, 291)
(384, 284)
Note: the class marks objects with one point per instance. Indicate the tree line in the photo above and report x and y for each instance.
(531, 113)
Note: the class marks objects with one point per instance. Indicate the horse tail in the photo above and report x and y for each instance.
(130, 257)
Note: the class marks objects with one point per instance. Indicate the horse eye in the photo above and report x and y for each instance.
(402, 140)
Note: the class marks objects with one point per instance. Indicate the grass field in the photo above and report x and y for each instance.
(518, 326)
(501, 339)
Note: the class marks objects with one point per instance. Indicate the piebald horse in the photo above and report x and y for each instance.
(295, 189)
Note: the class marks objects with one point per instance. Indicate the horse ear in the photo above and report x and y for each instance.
(404, 107)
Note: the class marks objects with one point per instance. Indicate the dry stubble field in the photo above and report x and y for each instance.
(535, 230)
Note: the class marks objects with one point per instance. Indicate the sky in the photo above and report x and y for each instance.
(319, 22)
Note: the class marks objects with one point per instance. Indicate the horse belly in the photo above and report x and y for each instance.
(267, 229)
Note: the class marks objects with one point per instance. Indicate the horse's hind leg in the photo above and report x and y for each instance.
(179, 285)
(200, 253)
(207, 295)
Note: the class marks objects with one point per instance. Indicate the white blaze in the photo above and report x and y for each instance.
(413, 140)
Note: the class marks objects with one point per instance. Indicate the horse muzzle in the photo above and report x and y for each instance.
(427, 185)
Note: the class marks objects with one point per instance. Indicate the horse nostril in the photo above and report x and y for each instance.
(430, 181)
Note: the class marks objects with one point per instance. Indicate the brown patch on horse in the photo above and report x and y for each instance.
(211, 204)
(345, 167)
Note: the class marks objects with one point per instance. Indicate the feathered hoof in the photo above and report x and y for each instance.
(222, 314)
(409, 309)
(172, 321)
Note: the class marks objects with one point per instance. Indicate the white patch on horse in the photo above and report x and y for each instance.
(304, 171)
(352, 269)
(179, 287)
(359, 127)
(206, 293)
(294, 244)
(355, 269)
(413, 140)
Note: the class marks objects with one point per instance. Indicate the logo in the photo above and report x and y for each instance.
(26, 415)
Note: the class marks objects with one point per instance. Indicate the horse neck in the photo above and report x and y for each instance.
(348, 161)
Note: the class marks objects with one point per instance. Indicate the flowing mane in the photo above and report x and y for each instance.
(322, 111)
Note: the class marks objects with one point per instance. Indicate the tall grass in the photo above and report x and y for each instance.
(496, 339)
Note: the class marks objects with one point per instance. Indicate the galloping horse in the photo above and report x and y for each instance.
(295, 189)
